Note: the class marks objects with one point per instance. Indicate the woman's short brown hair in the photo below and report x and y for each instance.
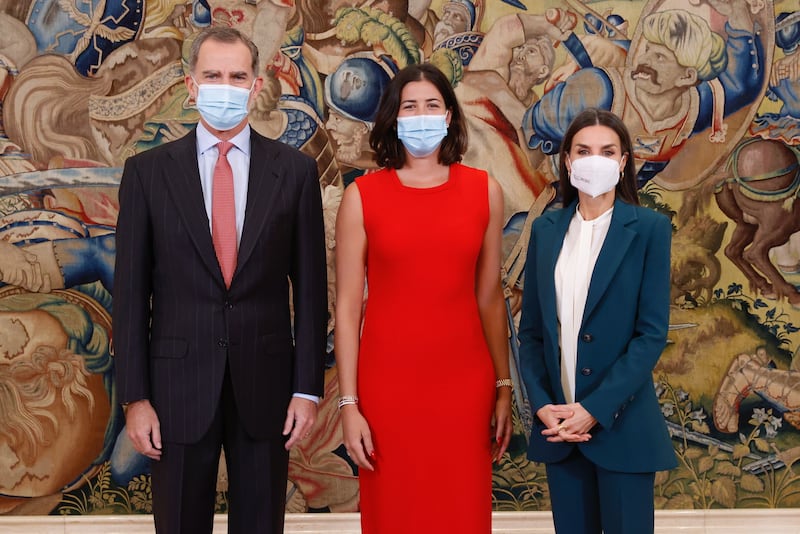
(389, 150)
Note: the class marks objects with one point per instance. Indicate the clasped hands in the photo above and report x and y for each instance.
(566, 422)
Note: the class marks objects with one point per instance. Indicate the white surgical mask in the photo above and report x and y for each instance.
(594, 175)
(422, 134)
(222, 106)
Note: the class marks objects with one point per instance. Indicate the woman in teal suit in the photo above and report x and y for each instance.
(595, 313)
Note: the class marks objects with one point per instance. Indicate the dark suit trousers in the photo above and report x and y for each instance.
(588, 499)
(184, 480)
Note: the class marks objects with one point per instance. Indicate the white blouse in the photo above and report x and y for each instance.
(573, 273)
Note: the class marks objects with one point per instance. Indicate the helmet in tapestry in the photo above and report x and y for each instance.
(468, 9)
(787, 31)
(354, 89)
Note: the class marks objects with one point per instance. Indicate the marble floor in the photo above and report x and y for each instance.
(740, 521)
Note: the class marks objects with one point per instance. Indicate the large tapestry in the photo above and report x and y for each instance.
(706, 87)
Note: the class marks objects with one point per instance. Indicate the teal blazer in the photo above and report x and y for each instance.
(622, 335)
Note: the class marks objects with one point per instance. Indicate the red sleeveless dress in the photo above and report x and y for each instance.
(425, 375)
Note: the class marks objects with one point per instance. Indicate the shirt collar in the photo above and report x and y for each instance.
(206, 140)
(602, 218)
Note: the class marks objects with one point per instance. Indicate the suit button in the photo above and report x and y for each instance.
(587, 338)
(228, 305)
(222, 343)
(586, 371)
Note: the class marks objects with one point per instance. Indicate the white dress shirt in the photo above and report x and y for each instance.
(573, 273)
(239, 159)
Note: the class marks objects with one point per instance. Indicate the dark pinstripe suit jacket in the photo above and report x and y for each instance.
(176, 324)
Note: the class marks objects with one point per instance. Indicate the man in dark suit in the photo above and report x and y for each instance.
(213, 228)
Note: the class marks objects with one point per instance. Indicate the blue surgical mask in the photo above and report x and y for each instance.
(422, 134)
(222, 106)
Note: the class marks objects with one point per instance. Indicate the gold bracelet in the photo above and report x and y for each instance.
(504, 382)
(344, 400)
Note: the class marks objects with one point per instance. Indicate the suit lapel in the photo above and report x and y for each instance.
(264, 182)
(185, 188)
(611, 255)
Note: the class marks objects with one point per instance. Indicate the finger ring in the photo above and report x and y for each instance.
(560, 428)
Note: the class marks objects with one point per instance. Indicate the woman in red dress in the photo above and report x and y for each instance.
(423, 381)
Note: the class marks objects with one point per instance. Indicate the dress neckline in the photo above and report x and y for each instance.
(432, 189)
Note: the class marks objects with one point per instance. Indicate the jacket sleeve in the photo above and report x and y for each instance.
(651, 323)
(132, 288)
(309, 284)
(532, 351)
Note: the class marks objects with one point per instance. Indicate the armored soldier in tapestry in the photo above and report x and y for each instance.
(708, 89)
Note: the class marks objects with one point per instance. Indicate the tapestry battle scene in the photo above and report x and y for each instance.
(710, 90)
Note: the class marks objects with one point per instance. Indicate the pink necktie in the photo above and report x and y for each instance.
(223, 214)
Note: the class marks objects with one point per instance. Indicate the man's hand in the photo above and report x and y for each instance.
(557, 26)
(737, 11)
(21, 268)
(143, 428)
(300, 417)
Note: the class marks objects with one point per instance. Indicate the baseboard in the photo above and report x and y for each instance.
(739, 521)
